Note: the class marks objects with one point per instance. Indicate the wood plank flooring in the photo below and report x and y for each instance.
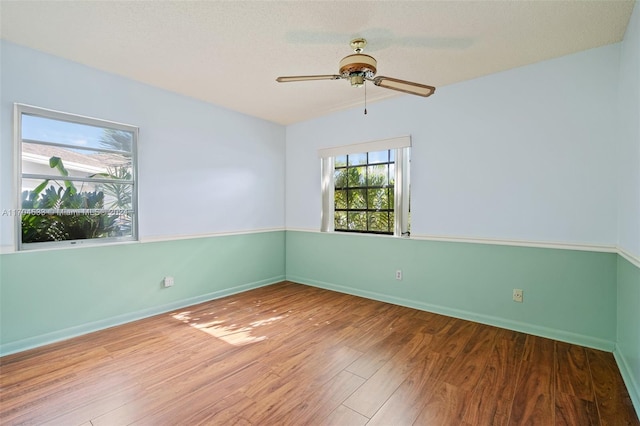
(289, 354)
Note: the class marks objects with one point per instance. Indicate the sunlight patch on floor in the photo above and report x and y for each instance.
(233, 334)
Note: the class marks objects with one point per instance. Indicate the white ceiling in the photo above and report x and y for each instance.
(230, 52)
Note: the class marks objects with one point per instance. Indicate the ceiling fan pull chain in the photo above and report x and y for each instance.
(365, 97)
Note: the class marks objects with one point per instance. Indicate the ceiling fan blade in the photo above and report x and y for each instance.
(404, 86)
(308, 78)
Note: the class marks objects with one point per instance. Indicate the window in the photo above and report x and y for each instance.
(365, 187)
(77, 179)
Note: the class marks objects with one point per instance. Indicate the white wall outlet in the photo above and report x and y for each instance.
(517, 295)
(167, 282)
(399, 275)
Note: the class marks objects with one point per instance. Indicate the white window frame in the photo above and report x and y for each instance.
(402, 146)
(23, 109)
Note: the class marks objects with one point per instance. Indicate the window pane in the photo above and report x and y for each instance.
(378, 199)
(357, 176)
(64, 210)
(379, 157)
(80, 135)
(36, 159)
(340, 161)
(379, 222)
(392, 155)
(357, 159)
(356, 199)
(357, 221)
(378, 175)
(340, 199)
(340, 220)
(340, 178)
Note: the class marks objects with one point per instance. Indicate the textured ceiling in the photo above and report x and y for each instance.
(230, 52)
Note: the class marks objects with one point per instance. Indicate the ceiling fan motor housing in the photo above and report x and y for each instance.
(357, 67)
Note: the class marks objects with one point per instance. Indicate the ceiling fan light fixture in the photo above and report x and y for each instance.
(356, 79)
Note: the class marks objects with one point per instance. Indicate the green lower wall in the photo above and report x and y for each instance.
(568, 295)
(55, 294)
(587, 298)
(627, 350)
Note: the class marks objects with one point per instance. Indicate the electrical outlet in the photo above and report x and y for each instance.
(167, 282)
(517, 295)
(399, 275)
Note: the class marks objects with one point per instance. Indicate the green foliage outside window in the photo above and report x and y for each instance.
(60, 211)
(363, 196)
(66, 225)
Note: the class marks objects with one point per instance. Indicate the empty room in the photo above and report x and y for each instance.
(320, 212)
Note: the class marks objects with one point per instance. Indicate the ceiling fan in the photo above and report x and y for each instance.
(358, 68)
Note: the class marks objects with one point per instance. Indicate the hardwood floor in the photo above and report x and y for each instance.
(290, 354)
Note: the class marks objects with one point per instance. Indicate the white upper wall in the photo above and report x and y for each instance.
(526, 154)
(202, 169)
(629, 146)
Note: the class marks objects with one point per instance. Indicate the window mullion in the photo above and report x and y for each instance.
(76, 179)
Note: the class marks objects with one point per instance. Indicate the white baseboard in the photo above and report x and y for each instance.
(555, 334)
(633, 386)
